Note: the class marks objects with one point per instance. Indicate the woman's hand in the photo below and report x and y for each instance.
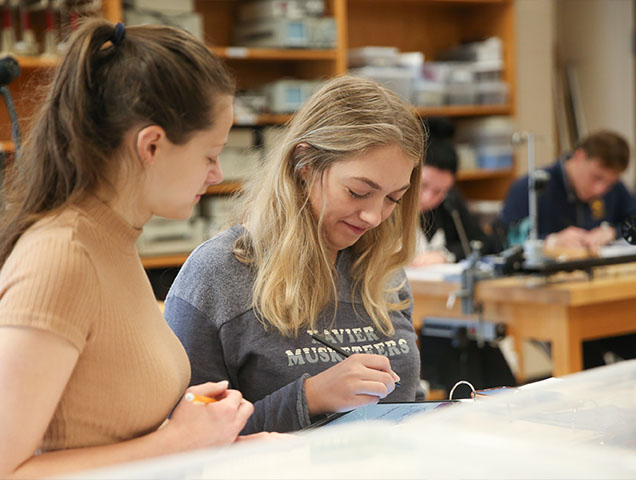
(217, 423)
(359, 380)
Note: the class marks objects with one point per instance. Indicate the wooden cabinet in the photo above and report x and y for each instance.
(26, 90)
(428, 26)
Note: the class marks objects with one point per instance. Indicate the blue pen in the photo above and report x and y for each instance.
(339, 350)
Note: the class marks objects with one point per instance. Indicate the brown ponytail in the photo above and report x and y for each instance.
(156, 75)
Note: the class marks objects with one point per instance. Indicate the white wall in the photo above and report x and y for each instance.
(596, 36)
(535, 58)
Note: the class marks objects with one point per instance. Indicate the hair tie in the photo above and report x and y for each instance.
(118, 35)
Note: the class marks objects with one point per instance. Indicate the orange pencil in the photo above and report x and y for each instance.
(198, 399)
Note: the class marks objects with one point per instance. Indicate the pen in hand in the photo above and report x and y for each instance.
(198, 399)
(336, 348)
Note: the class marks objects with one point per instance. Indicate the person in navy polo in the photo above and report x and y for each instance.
(584, 201)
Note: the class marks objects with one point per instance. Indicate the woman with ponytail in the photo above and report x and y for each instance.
(132, 126)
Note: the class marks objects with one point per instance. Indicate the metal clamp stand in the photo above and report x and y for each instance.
(537, 179)
(470, 276)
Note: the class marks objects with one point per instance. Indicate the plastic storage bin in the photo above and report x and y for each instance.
(492, 93)
(461, 94)
(412, 61)
(287, 95)
(397, 79)
(436, 71)
(429, 94)
(494, 156)
(491, 139)
(487, 71)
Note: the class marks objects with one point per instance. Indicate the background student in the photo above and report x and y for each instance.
(323, 233)
(132, 126)
(582, 206)
(584, 200)
(446, 225)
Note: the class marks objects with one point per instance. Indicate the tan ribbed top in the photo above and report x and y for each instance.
(77, 273)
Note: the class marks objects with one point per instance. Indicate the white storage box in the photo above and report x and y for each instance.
(397, 79)
(293, 9)
(189, 21)
(287, 95)
(487, 71)
(429, 94)
(492, 139)
(307, 32)
(494, 156)
(492, 93)
(164, 7)
(374, 56)
(460, 72)
(461, 94)
(163, 236)
(247, 106)
(490, 49)
(412, 61)
(491, 130)
(436, 71)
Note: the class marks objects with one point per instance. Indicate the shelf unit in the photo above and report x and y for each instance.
(429, 26)
(35, 72)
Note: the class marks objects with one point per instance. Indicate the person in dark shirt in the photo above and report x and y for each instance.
(584, 202)
(447, 227)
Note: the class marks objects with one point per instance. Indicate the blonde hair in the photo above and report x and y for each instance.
(294, 279)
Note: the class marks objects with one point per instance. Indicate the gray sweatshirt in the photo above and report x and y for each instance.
(209, 308)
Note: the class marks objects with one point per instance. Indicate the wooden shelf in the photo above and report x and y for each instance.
(7, 146)
(262, 119)
(443, 111)
(484, 174)
(164, 261)
(37, 62)
(225, 188)
(273, 118)
(247, 53)
(437, 2)
(464, 110)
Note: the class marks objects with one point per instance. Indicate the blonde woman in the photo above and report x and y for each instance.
(322, 236)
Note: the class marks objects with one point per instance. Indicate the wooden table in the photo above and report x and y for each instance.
(564, 311)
